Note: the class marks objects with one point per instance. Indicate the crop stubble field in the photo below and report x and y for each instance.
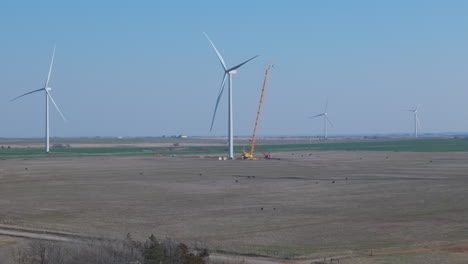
(309, 203)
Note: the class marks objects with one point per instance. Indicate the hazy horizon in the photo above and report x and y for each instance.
(318, 136)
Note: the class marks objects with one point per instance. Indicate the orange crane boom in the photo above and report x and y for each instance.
(249, 154)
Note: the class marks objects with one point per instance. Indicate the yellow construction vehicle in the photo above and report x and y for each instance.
(249, 154)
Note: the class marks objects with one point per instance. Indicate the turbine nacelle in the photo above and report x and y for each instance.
(232, 72)
(48, 89)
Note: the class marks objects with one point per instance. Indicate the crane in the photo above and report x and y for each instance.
(249, 154)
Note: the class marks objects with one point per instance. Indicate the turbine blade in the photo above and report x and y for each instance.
(27, 94)
(317, 115)
(240, 65)
(52, 99)
(418, 123)
(217, 52)
(221, 89)
(326, 117)
(50, 69)
(326, 106)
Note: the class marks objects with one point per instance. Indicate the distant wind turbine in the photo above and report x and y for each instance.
(227, 72)
(417, 124)
(46, 89)
(325, 120)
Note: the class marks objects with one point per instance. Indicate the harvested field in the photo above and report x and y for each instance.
(308, 204)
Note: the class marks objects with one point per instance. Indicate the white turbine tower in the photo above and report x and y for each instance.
(417, 124)
(227, 72)
(325, 120)
(46, 89)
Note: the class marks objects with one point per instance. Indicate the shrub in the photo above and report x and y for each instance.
(152, 252)
(107, 251)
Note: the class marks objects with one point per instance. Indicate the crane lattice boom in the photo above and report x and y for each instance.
(249, 154)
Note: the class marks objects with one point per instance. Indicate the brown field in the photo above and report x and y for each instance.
(308, 204)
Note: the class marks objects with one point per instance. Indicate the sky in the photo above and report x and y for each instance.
(144, 68)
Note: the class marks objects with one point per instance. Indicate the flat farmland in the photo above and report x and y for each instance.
(307, 204)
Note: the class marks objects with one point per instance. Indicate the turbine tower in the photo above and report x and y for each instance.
(325, 120)
(228, 72)
(47, 90)
(416, 121)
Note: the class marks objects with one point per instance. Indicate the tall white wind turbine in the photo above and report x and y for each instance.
(46, 90)
(417, 124)
(228, 72)
(325, 120)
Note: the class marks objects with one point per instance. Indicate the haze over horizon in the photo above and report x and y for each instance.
(145, 69)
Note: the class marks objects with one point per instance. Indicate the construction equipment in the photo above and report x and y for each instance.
(266, 155)
(249, 155)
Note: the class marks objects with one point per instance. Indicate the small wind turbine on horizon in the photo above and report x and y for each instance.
(47, 90)
(325, 120)
(417, 124)
(228, 72)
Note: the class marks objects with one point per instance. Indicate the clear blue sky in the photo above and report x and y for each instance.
(144, 68)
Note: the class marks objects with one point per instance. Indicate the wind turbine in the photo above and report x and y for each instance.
(46, 89)
(325, 120)
(228, 72)
(417, 124)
